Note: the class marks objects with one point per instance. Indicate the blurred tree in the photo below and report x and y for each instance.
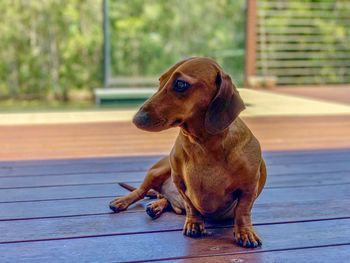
(149, 36)
(51, 46)
(48, 47)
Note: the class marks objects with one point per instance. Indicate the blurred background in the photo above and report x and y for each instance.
(58, 54)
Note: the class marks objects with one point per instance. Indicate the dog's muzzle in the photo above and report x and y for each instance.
(142, 120)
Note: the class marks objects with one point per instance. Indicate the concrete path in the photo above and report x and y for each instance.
(259, 103)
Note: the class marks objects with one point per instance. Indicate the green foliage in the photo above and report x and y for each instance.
(49, 47)
(149, 36)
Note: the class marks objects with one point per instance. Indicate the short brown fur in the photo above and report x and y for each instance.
(215, 164)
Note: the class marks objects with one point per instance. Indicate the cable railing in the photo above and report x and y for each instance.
(299, 42)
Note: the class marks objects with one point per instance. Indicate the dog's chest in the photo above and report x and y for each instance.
(207, 186)
(205, 176)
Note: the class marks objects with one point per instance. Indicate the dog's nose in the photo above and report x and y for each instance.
(142, 119)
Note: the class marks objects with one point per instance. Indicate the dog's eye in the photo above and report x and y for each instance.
(180, 85)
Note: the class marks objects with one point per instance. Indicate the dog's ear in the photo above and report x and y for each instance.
(167, 74)
(224, 107)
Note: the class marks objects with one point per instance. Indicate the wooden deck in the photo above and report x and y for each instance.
(56, 182)
(335, 93)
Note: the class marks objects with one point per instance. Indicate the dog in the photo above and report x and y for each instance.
(215, 169)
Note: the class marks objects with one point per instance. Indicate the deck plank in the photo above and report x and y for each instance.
(309, 255)
(337, 93)
(138, 221)
(142, 247)
(272, 156)
(142, 163)
(121, 139)
(278, 180)
(129, 166)
(111, 190)
(56, 183)
(96, 205)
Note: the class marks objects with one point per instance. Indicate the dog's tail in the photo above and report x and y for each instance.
(150, 194)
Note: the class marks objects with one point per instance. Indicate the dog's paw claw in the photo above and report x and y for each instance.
(118, 204)
(194, 229)
(156, 208)
(246, 237)
(152, 212)
(113, 208)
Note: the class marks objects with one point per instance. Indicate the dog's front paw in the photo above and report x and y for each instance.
(194, 228)
(119, 204)
(246, 237)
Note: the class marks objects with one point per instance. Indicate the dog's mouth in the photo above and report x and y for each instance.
(145, 121)
(175, 123)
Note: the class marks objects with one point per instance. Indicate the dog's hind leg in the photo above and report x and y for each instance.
(156, 176)
(156, 208)
(169, 198)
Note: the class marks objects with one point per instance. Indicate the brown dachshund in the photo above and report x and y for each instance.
(215, 169)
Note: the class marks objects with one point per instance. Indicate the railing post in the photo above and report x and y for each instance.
(106, 47)
(250, 40)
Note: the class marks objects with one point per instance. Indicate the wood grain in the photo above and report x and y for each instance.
(57, 202)
(305, 255)
(123, 139)
(137, 221)
(56, 182)
(123, 248)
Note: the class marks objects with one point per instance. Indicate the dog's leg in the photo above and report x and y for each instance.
(262, 178)
(244, 233)
(169, 196)
(194, 223)
(154, 179)
(156, 208)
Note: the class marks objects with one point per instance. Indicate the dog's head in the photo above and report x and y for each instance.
(190, 87)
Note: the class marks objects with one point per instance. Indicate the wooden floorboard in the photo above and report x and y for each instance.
(271, 157)
(121, 139)
(57, 180)
(172, 245)
(305, 255)
(291, 179)
(132, 164)
(339, 94)
(110, 190)
(75, 206)
(137, 221)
